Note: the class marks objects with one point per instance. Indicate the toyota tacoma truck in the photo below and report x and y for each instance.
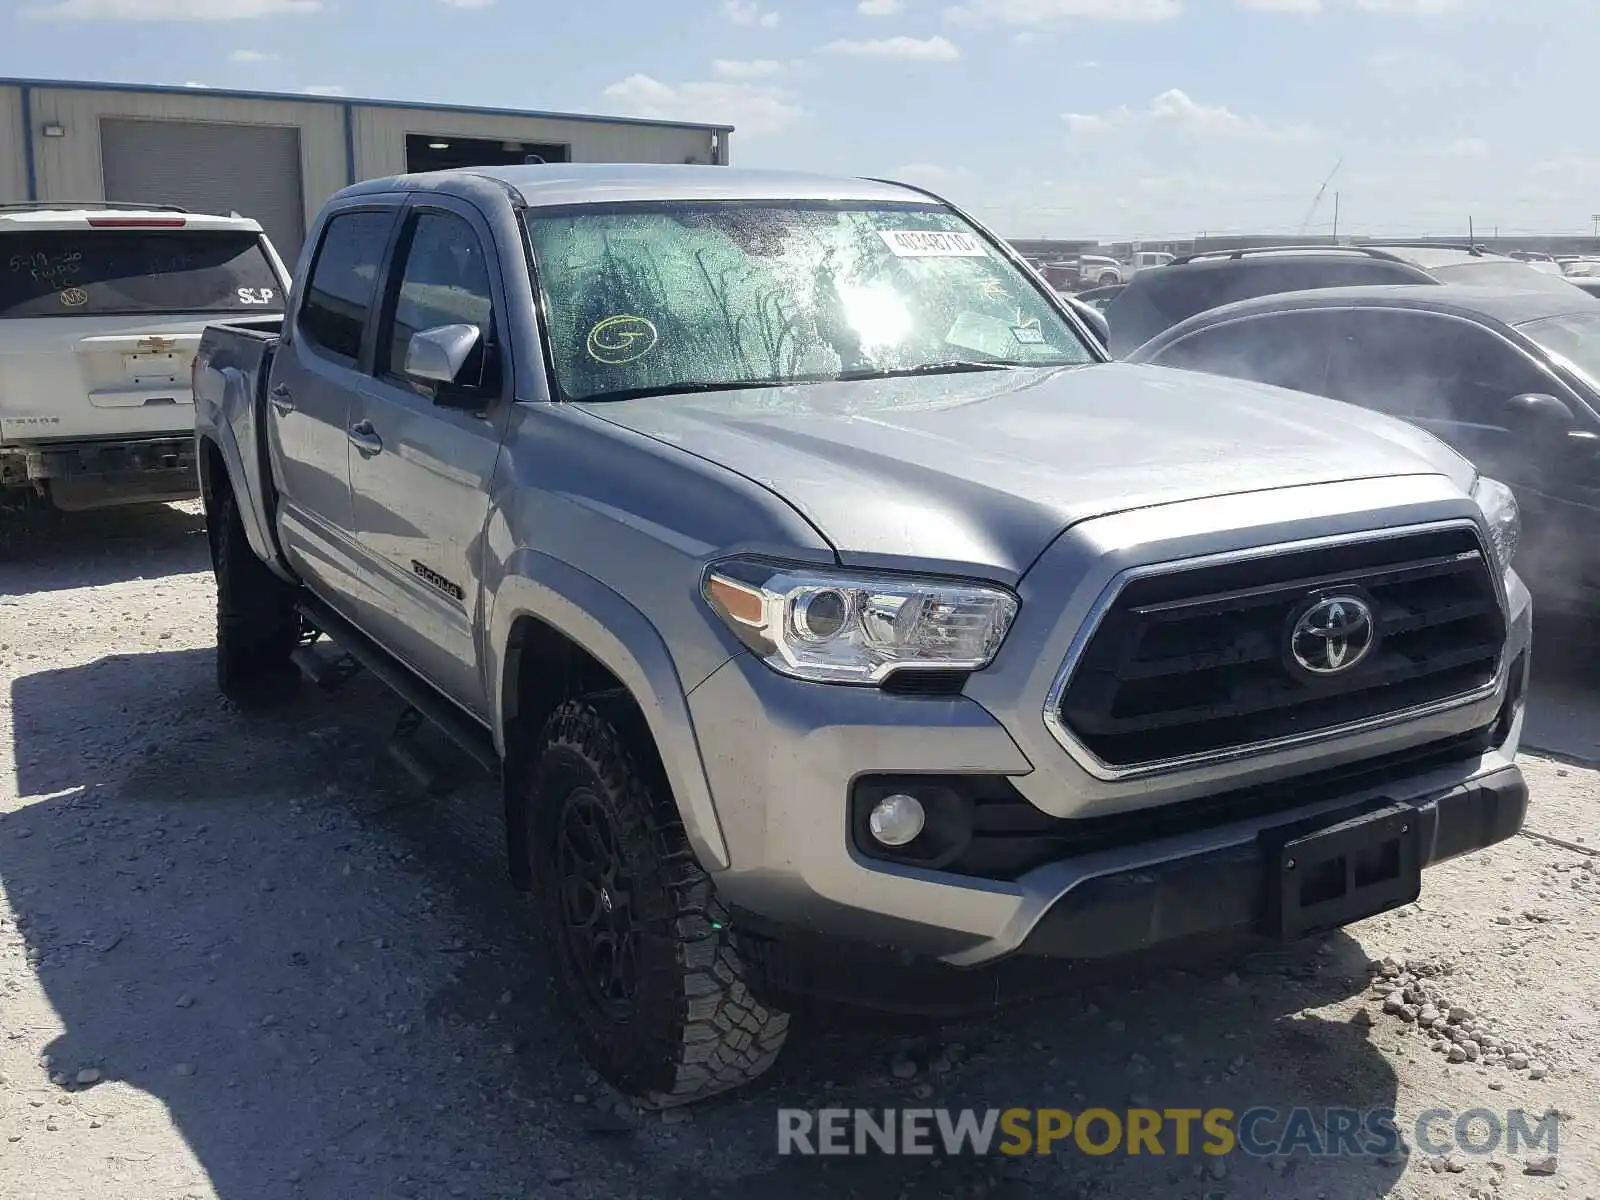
(101, 309)
(833, 612)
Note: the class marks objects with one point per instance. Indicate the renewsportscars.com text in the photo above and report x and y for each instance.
(1260, 1132)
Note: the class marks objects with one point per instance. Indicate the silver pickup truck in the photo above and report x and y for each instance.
(833, 613)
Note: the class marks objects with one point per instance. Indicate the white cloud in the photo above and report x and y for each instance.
(755, 68)
(934, 49)
(1175, 107)
(755, 109)
(1042, 12)
(1097, 122)
(324, 89)
(171, 10)
(252, 56)
(880, 8)
(749, 12)
(467, 3)
(1176, 110)
(195, 83)
(1283, 6)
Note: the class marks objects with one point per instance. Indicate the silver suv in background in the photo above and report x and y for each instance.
(101, 309)
(832, 611)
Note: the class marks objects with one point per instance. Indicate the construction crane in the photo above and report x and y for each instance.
(1322, 191)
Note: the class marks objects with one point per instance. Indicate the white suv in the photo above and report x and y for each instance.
(101, 309)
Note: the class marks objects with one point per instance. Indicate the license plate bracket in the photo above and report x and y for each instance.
(1337, 869)
(154, 368)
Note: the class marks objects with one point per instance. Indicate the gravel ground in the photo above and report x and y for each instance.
(244, 958)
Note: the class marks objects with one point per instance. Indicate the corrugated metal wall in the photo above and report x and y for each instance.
(13, 159)
(380, 137)
(69, 167)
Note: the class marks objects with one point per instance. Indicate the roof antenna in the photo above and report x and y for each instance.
(533, 160)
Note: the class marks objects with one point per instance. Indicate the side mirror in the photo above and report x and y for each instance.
(1093, 318)
(1548, 414)
(440, 356)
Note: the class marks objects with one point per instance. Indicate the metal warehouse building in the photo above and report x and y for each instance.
(278, 157)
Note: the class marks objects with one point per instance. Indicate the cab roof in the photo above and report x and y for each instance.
(541, 185)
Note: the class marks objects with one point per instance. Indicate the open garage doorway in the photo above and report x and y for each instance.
(442, 152)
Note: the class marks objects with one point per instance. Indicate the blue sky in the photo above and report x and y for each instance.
(1127, 118)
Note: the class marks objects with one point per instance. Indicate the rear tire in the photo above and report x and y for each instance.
(642, 956)
(258, 626)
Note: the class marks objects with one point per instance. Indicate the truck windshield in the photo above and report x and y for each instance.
(100, 273)
(653, 299)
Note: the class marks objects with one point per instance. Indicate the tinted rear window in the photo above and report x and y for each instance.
(101, 273)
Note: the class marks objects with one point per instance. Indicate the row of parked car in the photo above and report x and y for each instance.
(1497, 357)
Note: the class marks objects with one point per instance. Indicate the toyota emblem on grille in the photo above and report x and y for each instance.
(1333, 635)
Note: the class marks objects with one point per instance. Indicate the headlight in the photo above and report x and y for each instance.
(1499, 508)
(843, 627)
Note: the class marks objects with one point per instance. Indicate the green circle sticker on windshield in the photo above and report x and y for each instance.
(618, 340)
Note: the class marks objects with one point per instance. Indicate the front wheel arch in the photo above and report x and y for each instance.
(605, 629)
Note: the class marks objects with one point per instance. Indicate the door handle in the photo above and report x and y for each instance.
(282, 400)
(365, 438)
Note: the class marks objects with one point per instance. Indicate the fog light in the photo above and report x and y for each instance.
(897, 820)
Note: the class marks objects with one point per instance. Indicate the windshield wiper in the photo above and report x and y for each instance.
(689, 387)
(954, 366)
(957, 366)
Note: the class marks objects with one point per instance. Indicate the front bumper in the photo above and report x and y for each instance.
(782, 757)
(1219, 894)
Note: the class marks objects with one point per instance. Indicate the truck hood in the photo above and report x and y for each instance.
(986, 469)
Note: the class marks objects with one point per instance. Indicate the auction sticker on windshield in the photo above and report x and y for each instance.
(924, 243)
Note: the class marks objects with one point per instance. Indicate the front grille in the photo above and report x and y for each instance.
(1196, 660)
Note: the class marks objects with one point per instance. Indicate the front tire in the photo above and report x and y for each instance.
(640, 949)
(258, 626)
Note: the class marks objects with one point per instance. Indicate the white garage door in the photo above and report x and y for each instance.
(253, 170)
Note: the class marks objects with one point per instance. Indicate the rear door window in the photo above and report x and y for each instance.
(344, 281)
(1288, 350)
(1431, 368)
(127, 272)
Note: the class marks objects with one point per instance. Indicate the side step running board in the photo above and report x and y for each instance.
(329, 674)
(454, 724)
